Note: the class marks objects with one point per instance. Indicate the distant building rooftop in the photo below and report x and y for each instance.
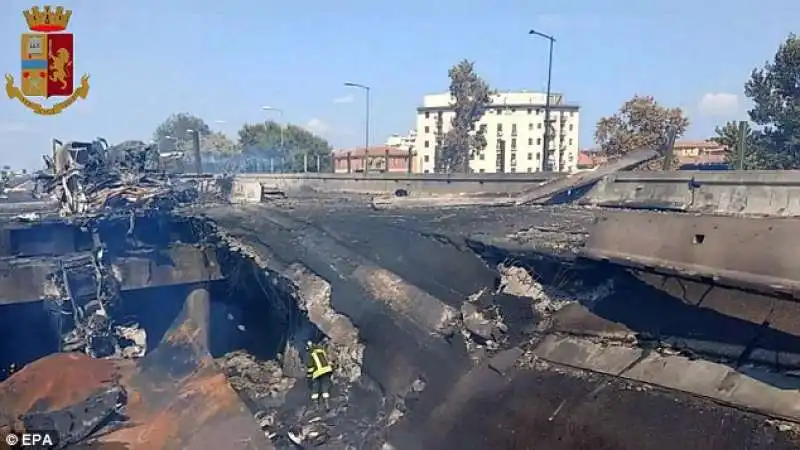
(373, 151)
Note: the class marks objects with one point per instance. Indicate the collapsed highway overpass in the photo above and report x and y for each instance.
(462, 327)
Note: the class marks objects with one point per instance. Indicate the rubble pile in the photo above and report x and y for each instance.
(86, 177)
(263, 381)
(516, 280)
(483, 327)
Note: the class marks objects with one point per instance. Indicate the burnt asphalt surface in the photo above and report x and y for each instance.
(556, 408)
(434, 249)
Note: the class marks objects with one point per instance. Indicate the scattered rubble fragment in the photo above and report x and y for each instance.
(516, 280)
(263, 381)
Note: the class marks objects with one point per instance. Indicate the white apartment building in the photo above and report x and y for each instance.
(514, 129)
(406, 142)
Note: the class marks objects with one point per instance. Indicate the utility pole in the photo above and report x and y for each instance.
(547, 135)
(198, 163)
(741, 144)
(366, 126)
(668, 150)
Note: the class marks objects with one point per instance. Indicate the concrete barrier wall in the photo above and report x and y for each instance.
(247, 185)
(770, 193)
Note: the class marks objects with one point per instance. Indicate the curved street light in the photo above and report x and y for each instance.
(366, 130)
(547, 137)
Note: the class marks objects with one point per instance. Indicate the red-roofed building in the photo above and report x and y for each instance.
(699, 152)
(381, 159)
(589, 160)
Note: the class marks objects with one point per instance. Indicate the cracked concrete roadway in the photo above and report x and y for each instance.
(395, 273)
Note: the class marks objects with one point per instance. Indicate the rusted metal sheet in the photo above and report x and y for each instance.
(177, 399)
(753, 253)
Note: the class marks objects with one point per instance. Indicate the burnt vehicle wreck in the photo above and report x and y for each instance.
(146, 311)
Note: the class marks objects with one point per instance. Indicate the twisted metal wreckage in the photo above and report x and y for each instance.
(87, 178)
(91, 183)
(100, 361)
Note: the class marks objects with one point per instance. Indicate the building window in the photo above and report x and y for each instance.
(570, 127)
(538, 111)
(427, 158)
(530, 141)
(427, 114)
(530, 110)
(427, 144)
(439, 115)
(570, 142)
(513, 143)
(513, 110)
(538, 141)
(538, 156)
(530, 127)
(530, 169)
(530, 156)
(483, 127)
(499, 127)
(427, 171)
(539, 125)
(427, 129)
(570, 113)
(482, 157)
(513, 169)
(482, 170)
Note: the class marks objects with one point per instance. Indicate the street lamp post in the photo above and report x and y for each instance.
(546, 143)
(366, 126)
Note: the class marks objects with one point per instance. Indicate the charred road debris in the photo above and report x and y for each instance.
(144, 311)
(94, 184)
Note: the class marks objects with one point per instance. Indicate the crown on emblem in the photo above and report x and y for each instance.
(51, 19)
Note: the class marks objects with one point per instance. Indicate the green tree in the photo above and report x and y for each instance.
(641, 123)
(5, 178)
(265, 138)
(176, 129)
(471, 97)
(775, 93)
(218, 143)
(728, 136)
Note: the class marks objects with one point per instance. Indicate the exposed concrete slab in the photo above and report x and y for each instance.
(733, 251)
(769, 193)
(26, 280)
(406, 299)
(554, 407)
(402, 326)
(247, 187)
(698, 377)
(505, 360)
(437, 202)
(611, 359)
(543, 193)
(576, 319)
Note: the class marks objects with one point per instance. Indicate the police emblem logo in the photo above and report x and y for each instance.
(47, 62)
